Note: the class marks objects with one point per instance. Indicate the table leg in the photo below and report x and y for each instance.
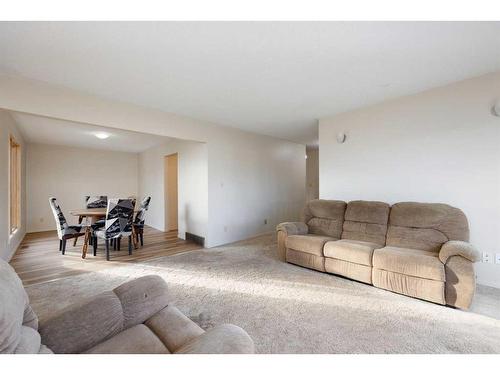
(76, 238)
(85, 242)
(134, 238)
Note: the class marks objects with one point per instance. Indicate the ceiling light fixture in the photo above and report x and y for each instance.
(101, 135)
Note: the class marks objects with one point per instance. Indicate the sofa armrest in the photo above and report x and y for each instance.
(292, 228)
(79, 328)
(284, 230)
(460, 248)
(223, 339)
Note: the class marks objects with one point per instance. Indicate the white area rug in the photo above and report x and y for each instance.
(288, 309)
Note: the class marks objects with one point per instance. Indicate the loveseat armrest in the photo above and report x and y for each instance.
(80, 327)
(292, 228)
(460, 248)
(223, 339)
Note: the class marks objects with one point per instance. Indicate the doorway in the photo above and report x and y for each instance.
(171, 196)
(312, 173)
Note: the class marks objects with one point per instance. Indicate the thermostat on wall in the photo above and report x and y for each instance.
(496, 109)
(341, 137)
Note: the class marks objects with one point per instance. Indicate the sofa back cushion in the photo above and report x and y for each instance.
(366, 221)
(425, 226)
(325, 217)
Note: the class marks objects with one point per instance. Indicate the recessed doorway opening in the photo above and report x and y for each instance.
(171, 192)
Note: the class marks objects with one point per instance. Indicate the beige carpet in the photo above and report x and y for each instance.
(289, 309)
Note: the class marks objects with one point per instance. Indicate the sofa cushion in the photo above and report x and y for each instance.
(429, 290)
(418, 263)
(366, 221)
(308, 243)
(325, 217)
(140, 298)
(351, 270)
(425, 226)
(138, 339)
(302, 259)
(359, 252)
(173, 328)
(81, 326)
(223, 339)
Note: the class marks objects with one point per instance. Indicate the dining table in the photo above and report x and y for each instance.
(89, 216)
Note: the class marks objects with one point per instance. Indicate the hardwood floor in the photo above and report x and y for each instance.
(38, 259)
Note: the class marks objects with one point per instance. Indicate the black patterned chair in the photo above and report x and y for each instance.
(64, 231)
(94, 201)
(97, 201)
(139, 220)
(118, 224)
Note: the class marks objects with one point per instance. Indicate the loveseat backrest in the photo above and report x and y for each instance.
(325, 217)
(425, 226)
(366, 221)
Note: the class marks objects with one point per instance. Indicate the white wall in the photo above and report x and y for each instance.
(442, 145)
(70, 173)
(251, 177)
(8, 242)
(312, 174)
(192, 185)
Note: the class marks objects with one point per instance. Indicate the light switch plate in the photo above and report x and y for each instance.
(497, 258)
(487, 258)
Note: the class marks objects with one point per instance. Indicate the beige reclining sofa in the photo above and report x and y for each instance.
(134, 318)
(416, 249)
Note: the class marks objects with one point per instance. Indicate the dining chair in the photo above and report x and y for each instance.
(96, 201)
(139, 220)
(118, 224)
(64, 231)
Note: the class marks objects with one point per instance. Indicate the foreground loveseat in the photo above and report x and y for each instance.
(417, 249)
(135, 317)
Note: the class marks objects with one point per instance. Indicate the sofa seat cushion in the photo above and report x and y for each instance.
(429, 290)
(302, 259)
(308, 243)
(417, 263)
(173, 328)
(354, 271)
(359, 252)
(138, 339)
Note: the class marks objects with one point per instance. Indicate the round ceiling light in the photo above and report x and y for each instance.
(101, 135)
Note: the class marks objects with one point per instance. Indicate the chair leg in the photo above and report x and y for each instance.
(114, 243)
(107, 249)
(94, 244)
(63, 246)
(119, 241)
(74, 242)
(142, 239)
(129, 245)
(60, 245)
